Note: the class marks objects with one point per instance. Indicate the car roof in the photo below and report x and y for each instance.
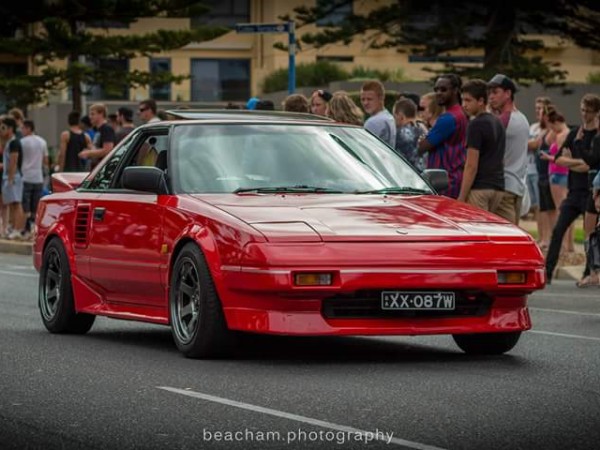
(239, 114)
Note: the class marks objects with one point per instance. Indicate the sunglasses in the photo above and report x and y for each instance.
(324, 94)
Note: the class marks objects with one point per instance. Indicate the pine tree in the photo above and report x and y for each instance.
(50, 31)
(506, 32)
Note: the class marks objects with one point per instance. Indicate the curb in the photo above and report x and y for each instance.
(569, 273)
(19, 248)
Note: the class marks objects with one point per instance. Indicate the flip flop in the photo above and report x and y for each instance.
(587, 282)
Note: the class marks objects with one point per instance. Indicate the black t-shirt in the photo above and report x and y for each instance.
(486, 134)
(15, 147)
(75, 144)
(591, 157)
(104, 133)
(542, 164)
(578, 181)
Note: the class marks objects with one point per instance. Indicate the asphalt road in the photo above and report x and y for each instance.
(125, 386)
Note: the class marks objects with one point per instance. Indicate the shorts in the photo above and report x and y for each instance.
(32, 192)
(546, 201)
(560, 179)
(510, 207)
(13, 192)
(532, 187)
(486, 199)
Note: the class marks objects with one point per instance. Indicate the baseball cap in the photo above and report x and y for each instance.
(501, 80)
(251, 104)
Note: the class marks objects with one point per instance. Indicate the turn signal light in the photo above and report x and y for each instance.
(512, 277)
(313, 279)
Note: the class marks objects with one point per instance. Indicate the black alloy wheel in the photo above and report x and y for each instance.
(55, 296)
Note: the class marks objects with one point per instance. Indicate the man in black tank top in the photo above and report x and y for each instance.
(72, 141)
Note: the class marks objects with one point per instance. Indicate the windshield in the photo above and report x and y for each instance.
(268, 158)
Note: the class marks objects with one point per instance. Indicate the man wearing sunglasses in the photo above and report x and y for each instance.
(147, 110)
(445, 144)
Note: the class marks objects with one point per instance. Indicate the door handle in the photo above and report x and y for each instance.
(99, 214)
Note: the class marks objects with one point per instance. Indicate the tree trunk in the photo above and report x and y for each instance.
(76, 94)
(501, 30)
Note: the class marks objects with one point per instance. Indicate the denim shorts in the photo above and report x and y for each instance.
(559, 178)
(13, 192)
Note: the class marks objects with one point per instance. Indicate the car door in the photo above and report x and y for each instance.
(125, 231)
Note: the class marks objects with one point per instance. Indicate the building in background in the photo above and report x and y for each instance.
(232, 67)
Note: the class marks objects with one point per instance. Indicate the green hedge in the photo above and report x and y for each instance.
(321, 73)
(593, 78)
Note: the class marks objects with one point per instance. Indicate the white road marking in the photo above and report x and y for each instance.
(574, 336)
(565, 311)
(295, 417)
(21, 274)
(593, 294)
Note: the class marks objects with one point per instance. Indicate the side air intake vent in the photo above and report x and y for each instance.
(82, 225)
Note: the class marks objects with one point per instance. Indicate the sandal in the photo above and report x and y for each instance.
(587, 282)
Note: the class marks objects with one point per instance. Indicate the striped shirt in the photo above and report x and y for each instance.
(449, 139)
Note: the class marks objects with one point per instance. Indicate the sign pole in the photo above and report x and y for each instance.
(292, 57)
(290, 28)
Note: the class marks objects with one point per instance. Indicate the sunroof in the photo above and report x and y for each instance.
(212, 114)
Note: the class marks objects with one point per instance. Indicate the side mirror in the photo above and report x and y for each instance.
(145, 179)
(437, 178)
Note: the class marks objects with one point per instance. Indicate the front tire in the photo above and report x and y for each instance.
(197, 322)
(55, 296)
(487, 343)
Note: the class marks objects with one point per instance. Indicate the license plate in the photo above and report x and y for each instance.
(410, 300)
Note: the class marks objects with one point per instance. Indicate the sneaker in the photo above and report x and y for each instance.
(15, 235)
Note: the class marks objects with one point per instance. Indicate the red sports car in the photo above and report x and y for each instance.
(269, 223)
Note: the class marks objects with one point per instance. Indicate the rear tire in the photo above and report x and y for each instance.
(487, 343)
(197, 321)
(55, 294)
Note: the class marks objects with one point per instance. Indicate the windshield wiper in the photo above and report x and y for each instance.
(395, 190)
(301, 188)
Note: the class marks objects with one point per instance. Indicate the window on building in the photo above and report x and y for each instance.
(225, 13)
(215, 80)
(336, 15)
(160, 91)
(332, 58)
(114, 88)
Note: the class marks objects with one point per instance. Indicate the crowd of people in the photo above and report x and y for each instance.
(474, 131)
(25, 163)
(494, 159)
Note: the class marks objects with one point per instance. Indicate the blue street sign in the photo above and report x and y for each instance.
(262, 27)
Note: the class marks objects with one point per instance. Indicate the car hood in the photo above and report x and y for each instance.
(334, 217)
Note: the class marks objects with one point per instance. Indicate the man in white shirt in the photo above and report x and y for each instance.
(501, 96)
(33, 167)
(381, 123)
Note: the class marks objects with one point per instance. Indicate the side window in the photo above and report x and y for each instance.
(104, 177)
(150, 150)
